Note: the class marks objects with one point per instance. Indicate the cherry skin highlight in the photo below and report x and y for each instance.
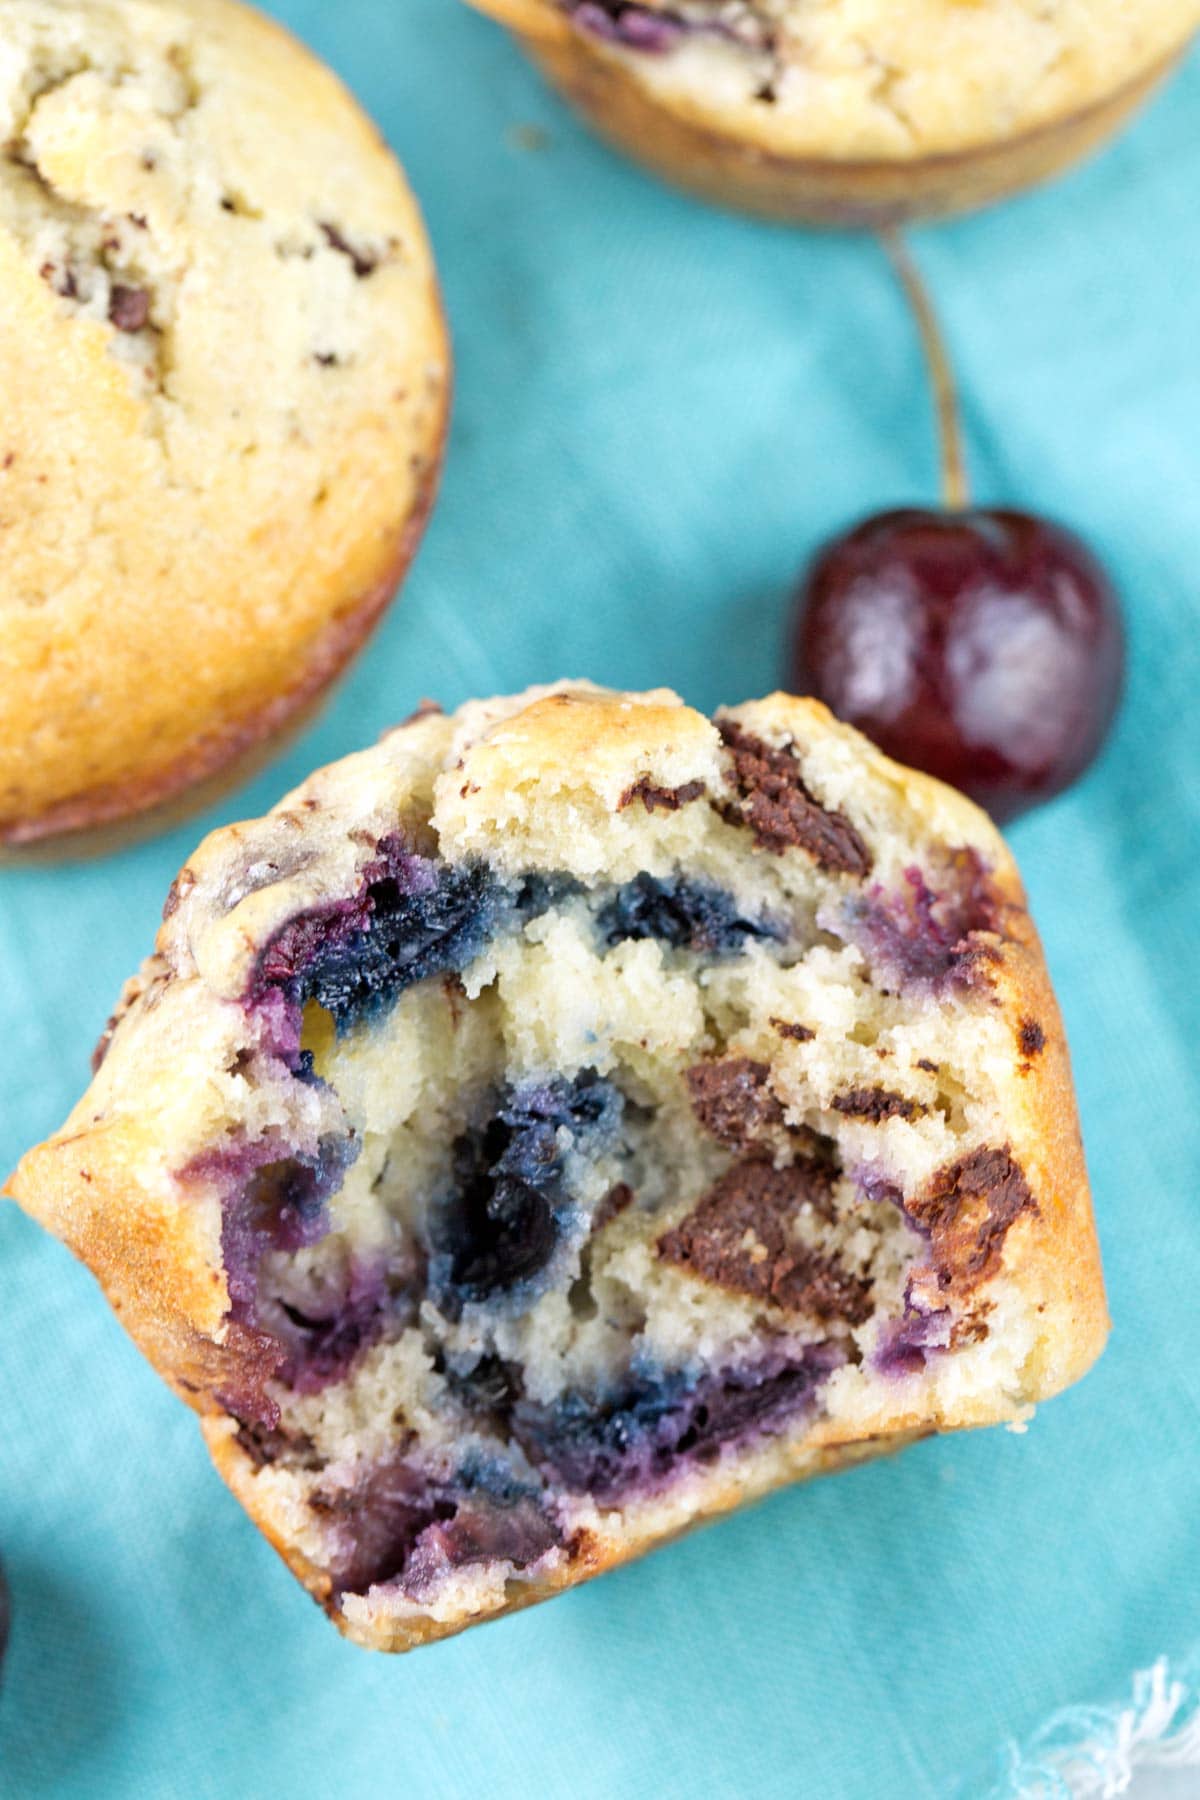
(983, 646)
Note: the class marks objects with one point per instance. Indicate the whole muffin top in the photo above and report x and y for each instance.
(224, 372)
(864, 79)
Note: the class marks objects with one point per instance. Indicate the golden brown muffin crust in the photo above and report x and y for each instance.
(226, 379)
(870, 115)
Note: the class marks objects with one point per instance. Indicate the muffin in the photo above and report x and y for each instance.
(573, 1118)
(852, 112)
(225, 375)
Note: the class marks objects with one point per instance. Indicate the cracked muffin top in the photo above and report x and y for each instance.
(225, 376)
(866, 79)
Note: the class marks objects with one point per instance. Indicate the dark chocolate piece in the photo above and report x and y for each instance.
(876, 1104)
(789, 1028)
(779, 809)
(967, 1211)
(652, 796)
(738, 1238)
(129, 308)
(363, 262)
(266, 1444)
(614, 1203)
(733, 1099)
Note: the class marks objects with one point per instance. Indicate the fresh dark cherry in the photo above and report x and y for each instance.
(984, 647)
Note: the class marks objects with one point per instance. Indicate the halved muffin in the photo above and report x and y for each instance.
(569, 1120)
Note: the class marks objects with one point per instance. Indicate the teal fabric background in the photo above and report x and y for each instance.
(660, 413)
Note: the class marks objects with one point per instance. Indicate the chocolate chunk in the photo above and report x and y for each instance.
(967, 1211)
(737, 1238)
(61, 279)
(265, 1444)
(104, 1042)
(973, 1329)
(779, 809)
(129, 308)
(1033, 1038)
(875, 1104)
(614, 1203)
(732, 1099)
(363, 262)
(652, 796)
(788, 1028)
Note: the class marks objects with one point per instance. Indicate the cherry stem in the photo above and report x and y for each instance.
(955, 492)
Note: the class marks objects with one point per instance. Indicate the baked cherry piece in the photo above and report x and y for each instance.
(983, 646)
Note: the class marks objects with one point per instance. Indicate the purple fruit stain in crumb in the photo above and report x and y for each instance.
(905, 1344)
(324, 1342)
(633, 27)
(400, 1527)
(272, 1200)
(657, 31)
(922, 936)
(638, 1439)
(510, 1209)
(684, 915)
(412, 917)
(479, 1532)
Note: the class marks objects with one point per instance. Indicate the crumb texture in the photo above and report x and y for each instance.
(544, 1170)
